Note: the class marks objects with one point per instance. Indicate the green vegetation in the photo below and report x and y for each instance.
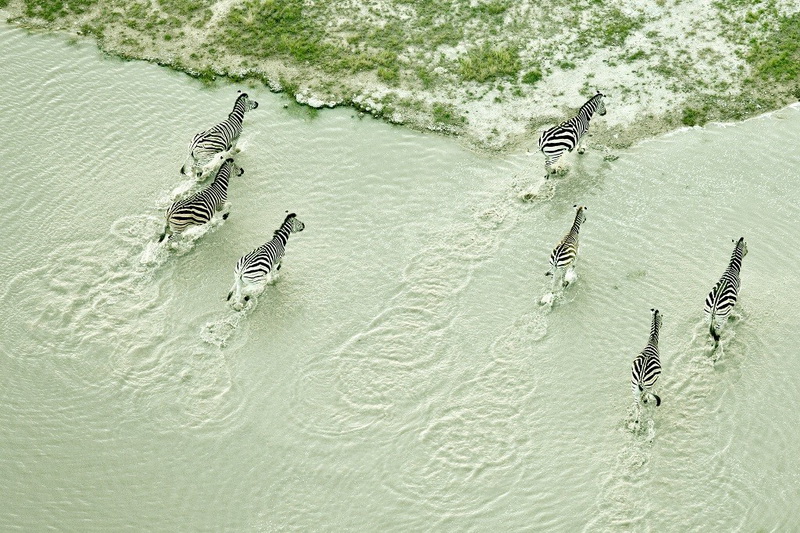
(428, 49)
(612, 29)
(50, 10)
(447, 115)
(486, 63)
(692, 116)
(532, 76)
(777, 55)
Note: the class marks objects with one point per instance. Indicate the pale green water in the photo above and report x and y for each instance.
(399, 376)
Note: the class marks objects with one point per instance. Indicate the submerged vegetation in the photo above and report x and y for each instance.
(426, 62)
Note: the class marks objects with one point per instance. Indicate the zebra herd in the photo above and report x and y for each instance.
(719, 303)
(214, 148)
(207, 149)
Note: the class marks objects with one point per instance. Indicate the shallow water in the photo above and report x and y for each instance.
(400, 374)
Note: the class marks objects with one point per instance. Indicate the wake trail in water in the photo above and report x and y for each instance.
(383, 370)
(476, 436)
(108, 318)
(691, 391)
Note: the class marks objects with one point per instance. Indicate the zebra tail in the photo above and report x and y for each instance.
(658, 399)
(237, 287)
(188, 165)
(712, 330)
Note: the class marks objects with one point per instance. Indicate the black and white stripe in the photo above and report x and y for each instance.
(565, 254)
(646, 366)
(261, 264)
(200, 207)
(722, 298)
(567, 135)
(219, 138)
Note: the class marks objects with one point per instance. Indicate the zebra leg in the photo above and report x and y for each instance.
(548, 164)
(570, 276)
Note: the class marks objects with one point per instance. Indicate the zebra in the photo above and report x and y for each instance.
(646, 366)
(567, 135)
(262, 264)
(722, 298)
(565, 254)
(200, 207)
(219, 138)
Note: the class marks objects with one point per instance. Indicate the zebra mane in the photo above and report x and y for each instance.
(656, 325)
(591, 101)
(239, 102)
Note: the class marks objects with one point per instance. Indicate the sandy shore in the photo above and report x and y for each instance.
(494, 73)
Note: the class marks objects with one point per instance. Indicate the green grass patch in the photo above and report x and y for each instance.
(612, 29)
(532, 76)
(446, 114)
(50, 10)
(776, 57)
(486, 63)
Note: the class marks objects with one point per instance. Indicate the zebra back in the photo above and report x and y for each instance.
(259, 263)
(566, 135)
(200, 207)
(565, 252)
(723, 296)
(222, 136)
(646, 366)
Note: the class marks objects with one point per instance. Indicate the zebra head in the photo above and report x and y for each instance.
(580, 214)
(246, 101)
(294, 223)
(656, 320)
(230, 165)
(740, 244)
(601, 106)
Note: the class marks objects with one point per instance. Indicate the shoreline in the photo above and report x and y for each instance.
(662, 70)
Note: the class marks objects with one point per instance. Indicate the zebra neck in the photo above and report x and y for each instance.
(587, 110)
(238, 111)
(283, 234)
(736, 262)
(654, 333)
(576, 228)
(221, 181)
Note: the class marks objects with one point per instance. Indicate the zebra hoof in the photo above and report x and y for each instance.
(225, 216)
(581, 151)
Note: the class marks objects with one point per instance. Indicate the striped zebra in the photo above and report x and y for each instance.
(219, 138)
(567, 135)
(722, 298)
(200, 207)
(646, 366)
(262, 264)
(565, 254)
